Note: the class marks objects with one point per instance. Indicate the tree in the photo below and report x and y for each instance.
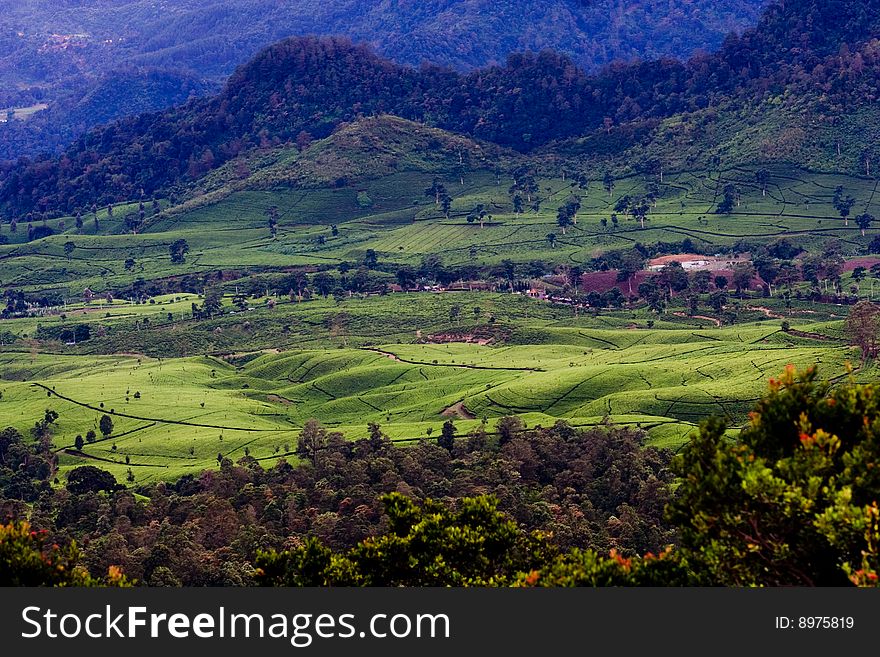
(640, 209)
(371, 259)
(864, 222)
(717, 300)
(213, 302)
(508, 428)
(721, 282)
(573, 203)
(762, 177)
(518, 204)
(178, 250)
(793, 502)
(608, 183)
(701, 280)
(78, 442)
(863, 327)
(563, 218)
(70, 246)
(312, 441)
(673, 277)
(106, 425)
(742, 278)
(89, 479)
(272, 214)
(323, 282)
(447, 436)
(446, 204)
(551, 240)
(631, 263)
(437, 191)
(843, 205)
(728, 200)
(406, 277)
(29, 558)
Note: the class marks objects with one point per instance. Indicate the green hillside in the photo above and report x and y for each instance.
(173, 416)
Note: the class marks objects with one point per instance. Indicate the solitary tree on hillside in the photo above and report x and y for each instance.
(631, 263)
(272, 215)
(864, 221)
(742, 278)
(551, 239)
(863, 326)
(447, 436)
(640, 210)
(563, 218)
(843, 205)
(762, 177)
(70, 246)
(436, 191)
(729, 199)
(518, 204)
(178, 251)
(573, 203)
(106, 425)
(213, 301)
(371, 259)
(608, 183)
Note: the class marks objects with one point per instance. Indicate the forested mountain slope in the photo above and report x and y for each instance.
(818, 56)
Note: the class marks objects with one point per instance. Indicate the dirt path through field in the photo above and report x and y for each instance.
(458, 410)
(715, 321)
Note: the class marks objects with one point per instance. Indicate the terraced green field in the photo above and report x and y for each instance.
(401, 225)
(189, 410)
(405, 361)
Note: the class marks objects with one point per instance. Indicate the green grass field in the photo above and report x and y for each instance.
(551, 365)
(402, 226)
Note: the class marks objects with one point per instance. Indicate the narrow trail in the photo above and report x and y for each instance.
(398, 359)
(767, 312)
(149, 419)
(715, 321)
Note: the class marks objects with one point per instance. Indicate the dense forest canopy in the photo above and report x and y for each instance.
(312, 85)
(213, 39)
(62, 53)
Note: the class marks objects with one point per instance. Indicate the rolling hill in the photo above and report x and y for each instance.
(712, 105)
(55, 52)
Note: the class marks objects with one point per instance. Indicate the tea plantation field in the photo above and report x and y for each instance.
(176, 415)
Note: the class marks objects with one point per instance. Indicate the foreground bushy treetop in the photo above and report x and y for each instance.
(28, 559)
